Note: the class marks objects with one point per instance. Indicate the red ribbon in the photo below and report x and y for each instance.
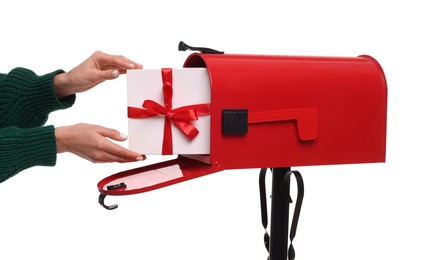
(180, 117)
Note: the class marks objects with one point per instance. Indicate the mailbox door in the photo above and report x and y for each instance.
(300, 110)
(155, 176)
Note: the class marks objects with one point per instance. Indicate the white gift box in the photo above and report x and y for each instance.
(191, 86)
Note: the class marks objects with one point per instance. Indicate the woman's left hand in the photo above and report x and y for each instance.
(91, 72)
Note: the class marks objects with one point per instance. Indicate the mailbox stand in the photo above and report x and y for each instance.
(277, 242)
(279, 218)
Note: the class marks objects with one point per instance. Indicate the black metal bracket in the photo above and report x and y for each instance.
(277, 242)
(102, 202)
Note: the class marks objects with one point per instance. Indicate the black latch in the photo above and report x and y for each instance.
(234, 121)
(183, 47)
(116, 186)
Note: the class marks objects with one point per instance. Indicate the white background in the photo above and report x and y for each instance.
(373, 211)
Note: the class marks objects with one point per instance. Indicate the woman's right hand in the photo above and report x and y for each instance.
(91, 142)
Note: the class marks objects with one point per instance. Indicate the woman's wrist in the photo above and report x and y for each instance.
(59, 139)
(62, 85)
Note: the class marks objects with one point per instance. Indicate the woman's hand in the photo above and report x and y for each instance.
(91, 142)
(91, 72)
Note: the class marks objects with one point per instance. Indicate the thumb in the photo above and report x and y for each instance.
(108, 74)
(114, 73)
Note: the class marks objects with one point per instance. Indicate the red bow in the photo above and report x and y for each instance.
(181, 116)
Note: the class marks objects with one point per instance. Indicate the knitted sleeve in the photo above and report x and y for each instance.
(26, 99)
(25, 148)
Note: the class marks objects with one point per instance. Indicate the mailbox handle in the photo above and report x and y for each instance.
(183, 47)
(307, 120)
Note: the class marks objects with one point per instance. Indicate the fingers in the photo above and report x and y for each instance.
(111, 66)
(94, 70)
(118, 61)
(113, 152)
(91, 142)
(111, 133)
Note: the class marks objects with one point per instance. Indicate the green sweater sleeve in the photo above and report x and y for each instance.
(26, 99)
(25, 148)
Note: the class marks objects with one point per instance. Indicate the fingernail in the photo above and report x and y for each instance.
(132, 65)
(123, 136)
(115, 74)
(139, 158)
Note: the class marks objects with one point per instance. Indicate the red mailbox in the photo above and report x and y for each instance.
(323, 110)
(278, 111)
